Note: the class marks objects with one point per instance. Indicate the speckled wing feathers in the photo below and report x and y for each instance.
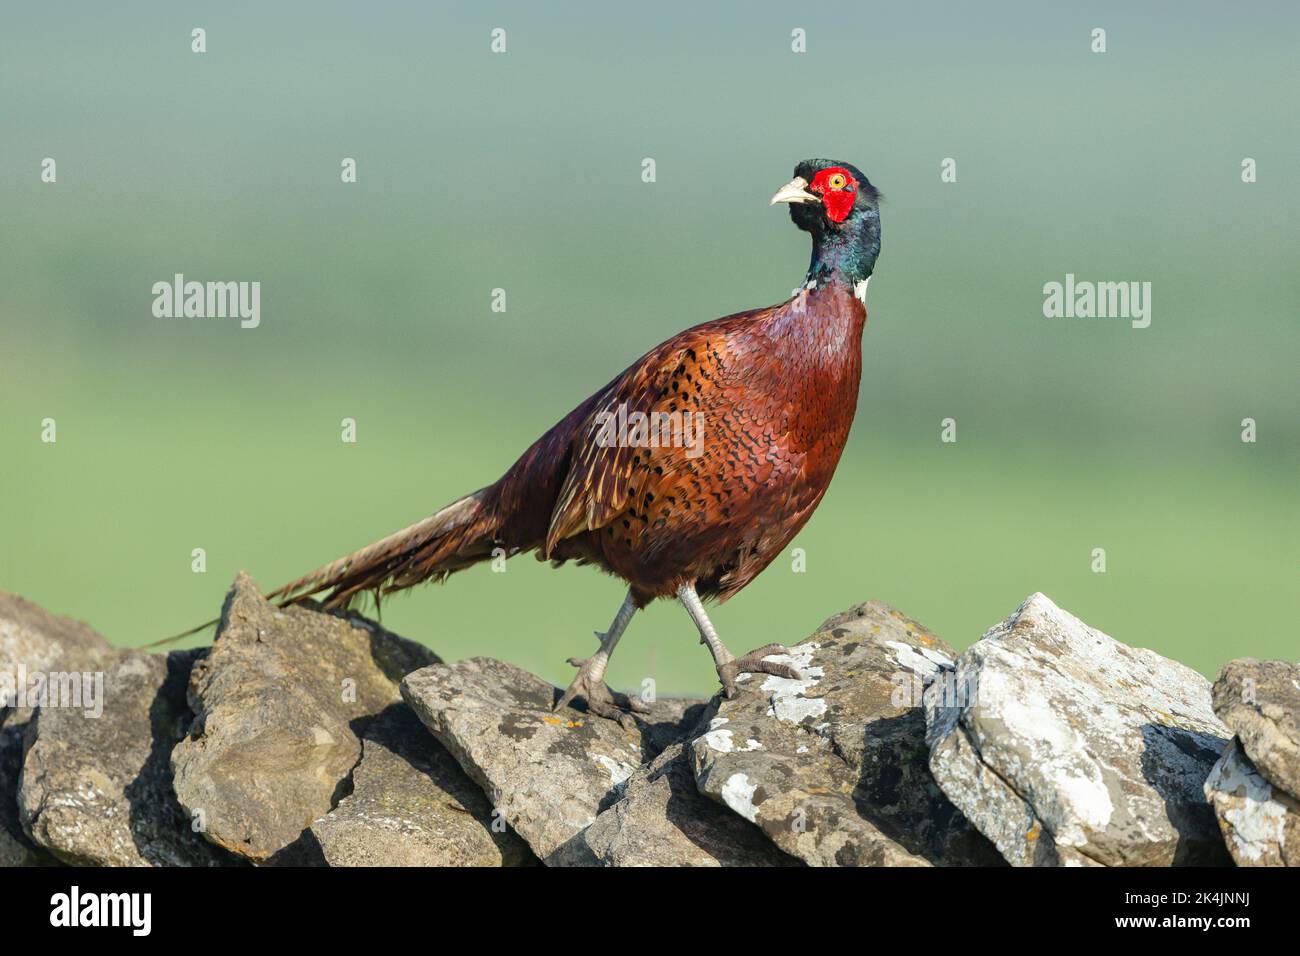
(596, 487)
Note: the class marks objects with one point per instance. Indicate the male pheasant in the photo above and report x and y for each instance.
(690, 471)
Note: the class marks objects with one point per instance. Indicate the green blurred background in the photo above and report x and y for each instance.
(522, 171)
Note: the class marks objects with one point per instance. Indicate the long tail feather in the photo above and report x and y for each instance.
(453, 538)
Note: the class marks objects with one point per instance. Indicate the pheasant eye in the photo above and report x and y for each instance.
(837, 181)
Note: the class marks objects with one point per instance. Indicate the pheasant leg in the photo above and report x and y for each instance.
(589, 683)
(730, 667)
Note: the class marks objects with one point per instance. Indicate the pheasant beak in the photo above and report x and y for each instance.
(795, 191)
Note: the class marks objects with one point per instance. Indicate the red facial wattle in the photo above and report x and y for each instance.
(838, 189)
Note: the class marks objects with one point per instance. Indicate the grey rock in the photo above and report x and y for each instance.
(833, 768)
(663, 820)
(34, 644)
(1260, 824)
(412, 805)
(96, 789)
(548, 774)
(279, 703)
(1260, 703)
(671, 720)
(16, 848)
(1066, 747)
(33, 639)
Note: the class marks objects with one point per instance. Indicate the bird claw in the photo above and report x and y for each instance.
(754, 663)
(601, 701)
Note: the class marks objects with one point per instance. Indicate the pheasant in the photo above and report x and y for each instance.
(690, 471)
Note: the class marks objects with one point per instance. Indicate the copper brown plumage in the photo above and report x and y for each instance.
(761, 403)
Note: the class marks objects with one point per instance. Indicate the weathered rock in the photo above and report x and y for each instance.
(663, 820)
(671, 719)
(548, 774)
(833, 768)
(1261, 825)
(16, 848)
(1260, 703)
(35, 646)
(1065, 746)
(412, 805)
(280, 702)
(96, 786)
(35, 641)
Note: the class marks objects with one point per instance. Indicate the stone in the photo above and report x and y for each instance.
(834, 768)
(1259, 701)
(16, 848)
(412, 805)
(548, 774)
(1260, 824)
(34, 640)
(311, 737)
(281, 702)
(1066, 747)
(96, 789)
(663, 820)
(34, 645)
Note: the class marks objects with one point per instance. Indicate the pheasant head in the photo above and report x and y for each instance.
(837, 204)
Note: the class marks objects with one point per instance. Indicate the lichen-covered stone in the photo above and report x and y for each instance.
(279, 705)
(548, 774)
(33, 645)
(1259, 701)
(16, 848)
(833, 768)
(96, 789)
(34, 640)
(412, 805)
(663, 820)
(1260, 824)
(1065, 746)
